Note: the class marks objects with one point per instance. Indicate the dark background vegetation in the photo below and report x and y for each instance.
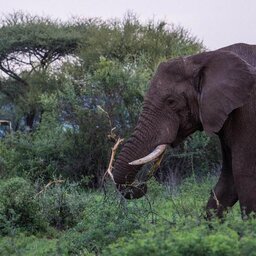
(64, 86)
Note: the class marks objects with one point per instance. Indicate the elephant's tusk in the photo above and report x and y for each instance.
(150, 157)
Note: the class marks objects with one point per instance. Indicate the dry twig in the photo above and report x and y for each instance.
(112, 137)
(110, 165)
(216, 199)
(48, 185)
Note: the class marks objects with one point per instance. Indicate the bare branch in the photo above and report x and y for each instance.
(216, 199)
(112, 159)
(48, 185)
(12, 74)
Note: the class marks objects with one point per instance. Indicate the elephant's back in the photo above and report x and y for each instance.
(246, 52)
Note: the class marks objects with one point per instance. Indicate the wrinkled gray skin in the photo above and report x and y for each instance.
(211, 91)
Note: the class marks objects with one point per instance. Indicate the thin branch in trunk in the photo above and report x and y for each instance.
(216, 199)
(48, 185)
(112, 158)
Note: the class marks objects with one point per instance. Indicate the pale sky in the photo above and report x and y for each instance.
(217, 22)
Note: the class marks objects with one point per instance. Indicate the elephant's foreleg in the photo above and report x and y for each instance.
(246, 188)
(244, 171)
(224, 194)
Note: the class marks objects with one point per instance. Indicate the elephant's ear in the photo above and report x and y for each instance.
(224, 82)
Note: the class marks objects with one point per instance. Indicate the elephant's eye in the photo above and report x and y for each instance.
(171, 102)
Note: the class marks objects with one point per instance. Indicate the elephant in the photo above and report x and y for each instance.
(212, 91)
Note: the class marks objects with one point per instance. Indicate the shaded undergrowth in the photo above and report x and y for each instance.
(67, 220)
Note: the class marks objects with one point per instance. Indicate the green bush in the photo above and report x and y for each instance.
(193, 242)
(62, 205)
(104, 220)
(18, 208)
(22, 244)
(29, 156)
(23, 208)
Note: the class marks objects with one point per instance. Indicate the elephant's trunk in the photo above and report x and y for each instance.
(125, 174)
(137, 191)
(134, 148)
(148, 134)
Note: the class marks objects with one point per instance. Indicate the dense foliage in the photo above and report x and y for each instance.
(65, 86)
(91, 223)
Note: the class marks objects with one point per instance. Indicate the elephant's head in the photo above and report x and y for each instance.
(186, 94)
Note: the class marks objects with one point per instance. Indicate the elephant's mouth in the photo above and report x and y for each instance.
(182, 136)
(137, 189)
(176, 142)
(132, 192)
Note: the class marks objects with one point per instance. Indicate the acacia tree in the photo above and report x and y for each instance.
(29, 47)
(129, 39)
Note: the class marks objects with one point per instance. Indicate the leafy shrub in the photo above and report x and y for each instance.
(28, 156)
(62, 205)
(159, 241)
(18, 209)
(103, 221)
(22, 244)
